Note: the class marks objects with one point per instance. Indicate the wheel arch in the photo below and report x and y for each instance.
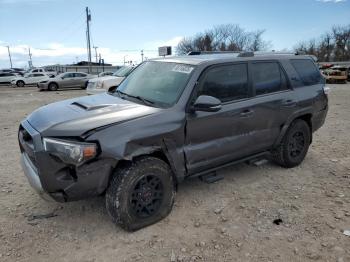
(306, 116)
(159, 153)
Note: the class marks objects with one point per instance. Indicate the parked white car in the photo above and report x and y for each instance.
(6, 78)
(29, 79)
(48, 72)
(102, 84)
(106, 73)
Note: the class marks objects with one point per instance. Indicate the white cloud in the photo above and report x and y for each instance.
(331, 1)
(57, 53)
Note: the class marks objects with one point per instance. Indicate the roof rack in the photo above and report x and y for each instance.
(212, 52)
(251, 53)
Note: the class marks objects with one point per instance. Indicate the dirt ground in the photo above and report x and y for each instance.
(231, 220)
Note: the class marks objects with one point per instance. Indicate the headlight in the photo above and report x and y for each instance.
(70, 152)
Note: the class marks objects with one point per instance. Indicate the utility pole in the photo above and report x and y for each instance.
(30, 58)
(141, 55)
(8, 49)
(95, 47)
(88, 19)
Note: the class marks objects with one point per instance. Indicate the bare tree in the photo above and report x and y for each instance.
(227, 37)
(332, 46)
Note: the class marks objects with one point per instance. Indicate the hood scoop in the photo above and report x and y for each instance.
(89, 107)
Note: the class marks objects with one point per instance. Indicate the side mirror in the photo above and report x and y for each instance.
(207, 104)
(112, 89)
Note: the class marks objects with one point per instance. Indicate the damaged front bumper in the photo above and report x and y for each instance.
(54, 179)
(32, 175)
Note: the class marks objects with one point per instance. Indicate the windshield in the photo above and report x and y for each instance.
(124, 71)
(159, 82)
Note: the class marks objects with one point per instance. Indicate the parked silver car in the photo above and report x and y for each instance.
(66, 80)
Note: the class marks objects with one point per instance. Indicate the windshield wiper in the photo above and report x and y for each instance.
(143, 100)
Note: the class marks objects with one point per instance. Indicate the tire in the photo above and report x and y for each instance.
(140, 194)
(294, 146)
(85, 86)
(53, 86)
(20, 83)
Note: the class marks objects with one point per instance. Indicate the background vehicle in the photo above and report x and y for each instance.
(102, 84)
(65, 80)
(48, 72)
(29, 79)
(336, 74)
(7, 77)
(172, 119)
(107, 73)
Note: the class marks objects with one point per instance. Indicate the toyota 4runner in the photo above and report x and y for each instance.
(169, 120)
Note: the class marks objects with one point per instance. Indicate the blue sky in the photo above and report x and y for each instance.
(55, 29)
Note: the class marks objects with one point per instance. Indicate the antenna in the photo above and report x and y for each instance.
(88, 19)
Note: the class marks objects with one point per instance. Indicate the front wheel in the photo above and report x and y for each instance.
(141, 193)
(53, 87)
(294, 146)
(20, 83)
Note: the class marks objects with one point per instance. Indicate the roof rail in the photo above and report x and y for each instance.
(249, 53)
(212, 52)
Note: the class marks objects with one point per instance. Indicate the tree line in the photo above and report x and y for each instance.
(331, 46)
(227, 37)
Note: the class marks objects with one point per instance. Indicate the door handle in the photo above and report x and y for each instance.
(246, 113)
(289, 103)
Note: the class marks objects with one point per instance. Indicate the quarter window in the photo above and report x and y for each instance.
(227, 83)
(307, 71)
(268, 78)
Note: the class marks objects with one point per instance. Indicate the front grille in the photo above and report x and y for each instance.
(26, 144)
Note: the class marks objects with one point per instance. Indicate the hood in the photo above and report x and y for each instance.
(102, 78)
(75, 117)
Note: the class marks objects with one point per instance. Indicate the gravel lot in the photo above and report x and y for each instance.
(231, 220)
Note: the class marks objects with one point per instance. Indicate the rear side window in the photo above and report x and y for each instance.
(307, 71)
(227, 83)
(268, 78)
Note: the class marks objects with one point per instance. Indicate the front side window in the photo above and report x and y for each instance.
(79, 75)
(227, 83)
(268, 78)
(161, 83)
(307, 71)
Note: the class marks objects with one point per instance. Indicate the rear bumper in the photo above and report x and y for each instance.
(319, 118)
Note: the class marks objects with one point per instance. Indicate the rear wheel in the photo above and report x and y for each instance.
(53, 86)
(20, 83)
(294, 146)
(140, 194)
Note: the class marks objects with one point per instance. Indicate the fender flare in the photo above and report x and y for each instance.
(295, 115)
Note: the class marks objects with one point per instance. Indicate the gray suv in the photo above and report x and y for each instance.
(169, 120)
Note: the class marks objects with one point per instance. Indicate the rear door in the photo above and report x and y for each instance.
(274, 101)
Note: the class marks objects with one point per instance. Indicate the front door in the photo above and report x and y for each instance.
(67, 80)
(215, 138)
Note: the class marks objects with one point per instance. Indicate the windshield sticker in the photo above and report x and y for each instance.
(182, 69)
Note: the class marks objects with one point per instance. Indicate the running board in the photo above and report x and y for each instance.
(245, 159)
(211, 178)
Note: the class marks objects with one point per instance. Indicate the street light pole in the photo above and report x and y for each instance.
(141, 55)
(8, 49)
